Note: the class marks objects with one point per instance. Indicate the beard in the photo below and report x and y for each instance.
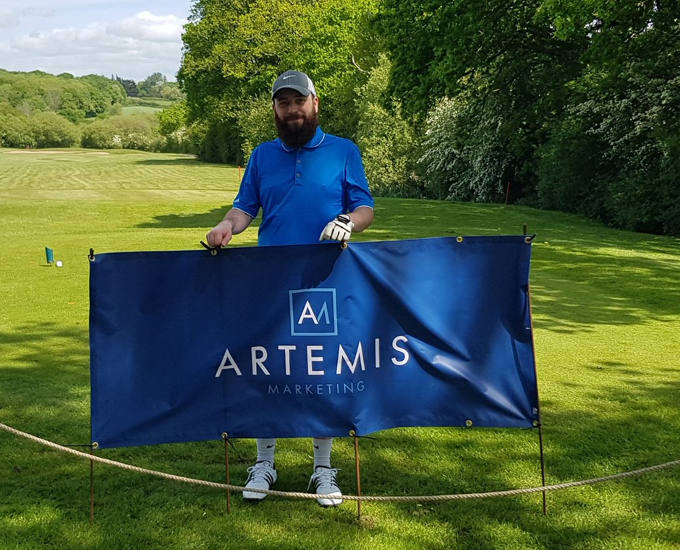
(294, 135)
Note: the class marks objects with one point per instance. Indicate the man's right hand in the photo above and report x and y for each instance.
(221, 234)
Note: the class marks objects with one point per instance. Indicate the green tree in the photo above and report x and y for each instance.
(152, 85)
(124, 132)
(73, 98)
(255, 124)
(15, 130)
(130, 86)
(505, 70)
(171, 91)
(234, 50)
(52, 130)
(388, 142)
(174, 126)
(624, 115)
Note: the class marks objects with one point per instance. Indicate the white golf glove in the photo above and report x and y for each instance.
(339, 229)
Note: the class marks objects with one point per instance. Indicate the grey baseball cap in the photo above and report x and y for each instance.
(294, 80)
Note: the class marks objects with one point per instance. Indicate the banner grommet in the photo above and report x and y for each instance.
(468, 423)
(459, 238)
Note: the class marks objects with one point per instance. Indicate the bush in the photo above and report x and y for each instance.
(390, 153)
(51, 130)
(387, 141)
(180, 136)
(219, 141)
(256, 124)
(15, 131)
(139, 131)
(465, 156)
(99, 135)
(615, 157)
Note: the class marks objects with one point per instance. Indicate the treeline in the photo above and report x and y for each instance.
(42, 110)
(155, 85)
(558, 104)
(74, 98)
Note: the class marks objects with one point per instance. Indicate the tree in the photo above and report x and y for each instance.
(388, 143)
(235, 49)
(51, 130)
(174, 125)
(129, 86)
(171, 91)
(15, 130)
(127, 132)
(73, 98)
(152, 85)
(624, 114)
(505, 70)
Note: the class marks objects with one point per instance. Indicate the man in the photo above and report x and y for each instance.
(311, 186)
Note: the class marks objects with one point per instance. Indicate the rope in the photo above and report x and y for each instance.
(289, 494)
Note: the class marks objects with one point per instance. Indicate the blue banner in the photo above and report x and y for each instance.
(311, 340)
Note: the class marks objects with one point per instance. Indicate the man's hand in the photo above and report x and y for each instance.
(221, 234)
(339, 229)
(233, 223)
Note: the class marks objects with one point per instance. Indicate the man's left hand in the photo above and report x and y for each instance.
(339, 229)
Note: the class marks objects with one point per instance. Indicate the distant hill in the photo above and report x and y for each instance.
(74, 98)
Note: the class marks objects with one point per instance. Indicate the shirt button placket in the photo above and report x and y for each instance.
(298, 173)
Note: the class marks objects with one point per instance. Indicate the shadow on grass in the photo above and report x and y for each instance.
(187, 221)
(633, 422)
(631, 425)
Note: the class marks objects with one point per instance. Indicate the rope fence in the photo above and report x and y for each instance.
(363, 498)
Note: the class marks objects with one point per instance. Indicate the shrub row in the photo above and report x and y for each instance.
(48, 129)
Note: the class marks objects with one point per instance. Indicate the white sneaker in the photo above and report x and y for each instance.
(326, 485)
(261, 476)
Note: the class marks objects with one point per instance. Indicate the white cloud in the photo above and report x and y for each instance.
(132, 47)
(8, 18)
(12, 16)
(38, 12)
(147, 26)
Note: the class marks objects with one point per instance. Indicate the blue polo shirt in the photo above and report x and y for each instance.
(301, 190)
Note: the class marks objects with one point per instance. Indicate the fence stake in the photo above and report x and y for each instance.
(357, 466)
(225, 437)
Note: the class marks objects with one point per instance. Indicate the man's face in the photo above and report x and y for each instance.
(296, 116)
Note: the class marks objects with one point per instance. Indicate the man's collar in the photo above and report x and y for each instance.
(316, 140)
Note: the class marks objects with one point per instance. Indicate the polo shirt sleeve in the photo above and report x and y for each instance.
(248, 198)
(356, 186)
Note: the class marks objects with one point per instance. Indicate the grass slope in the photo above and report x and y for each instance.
(607, 325)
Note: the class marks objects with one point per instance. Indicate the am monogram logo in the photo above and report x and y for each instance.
(313, 312)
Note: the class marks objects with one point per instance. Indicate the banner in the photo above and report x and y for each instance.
(311, 340)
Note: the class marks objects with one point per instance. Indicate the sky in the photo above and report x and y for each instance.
(128, 38)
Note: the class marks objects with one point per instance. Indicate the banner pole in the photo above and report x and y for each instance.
(539, 421)
(91, 487)
(94, 445)
(225, 437)
(540, 444)
(357, 467)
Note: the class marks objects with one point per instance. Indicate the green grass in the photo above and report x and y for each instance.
(607, 331)
(136, 105)
(136, 109)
